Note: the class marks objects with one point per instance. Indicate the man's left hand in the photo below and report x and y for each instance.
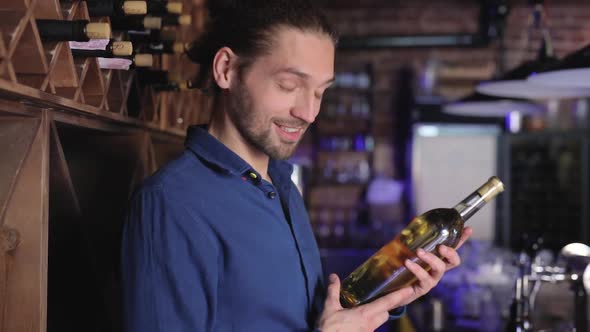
(429, 279)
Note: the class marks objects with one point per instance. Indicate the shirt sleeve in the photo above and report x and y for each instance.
(169, 267)
(397, 313)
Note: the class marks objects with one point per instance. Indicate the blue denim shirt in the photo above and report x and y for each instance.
(210, 246)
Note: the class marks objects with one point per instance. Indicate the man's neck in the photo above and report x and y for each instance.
(221, 128)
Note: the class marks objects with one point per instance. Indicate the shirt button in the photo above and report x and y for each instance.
(272, 195)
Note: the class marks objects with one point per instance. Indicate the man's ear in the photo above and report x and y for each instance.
(224, 67)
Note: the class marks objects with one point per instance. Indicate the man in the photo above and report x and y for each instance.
(219, 239)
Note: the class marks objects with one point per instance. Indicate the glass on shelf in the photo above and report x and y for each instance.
(359, 80)
(359, 143)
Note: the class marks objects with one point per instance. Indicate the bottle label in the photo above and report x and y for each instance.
(93, 44)
(114, 63)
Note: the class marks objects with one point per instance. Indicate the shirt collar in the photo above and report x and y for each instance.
(280, 171)
(214, 152)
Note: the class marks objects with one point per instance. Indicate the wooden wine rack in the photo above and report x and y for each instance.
(75, 141)
(48, 74)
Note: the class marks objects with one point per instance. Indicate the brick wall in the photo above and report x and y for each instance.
(569, 22)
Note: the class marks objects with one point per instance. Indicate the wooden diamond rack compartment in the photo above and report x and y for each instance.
(47, 71)
(76, 140)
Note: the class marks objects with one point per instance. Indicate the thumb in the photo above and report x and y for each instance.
(332, 303)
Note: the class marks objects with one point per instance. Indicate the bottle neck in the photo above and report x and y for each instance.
(474, 202)
(470, 205)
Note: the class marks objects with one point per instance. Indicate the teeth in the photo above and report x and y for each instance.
(290, 130)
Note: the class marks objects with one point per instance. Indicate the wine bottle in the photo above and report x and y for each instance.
(78, 30)
(161, 7)
(152, 76)
(174, 20)
(113, 8)
(152, 36)
(165, 47)
(138, 23)
(113, 49)
(385, 272)
(149, 22)
(126, 63)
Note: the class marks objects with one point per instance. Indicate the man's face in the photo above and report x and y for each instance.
(279, 94)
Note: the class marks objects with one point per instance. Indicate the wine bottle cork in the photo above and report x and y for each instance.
(134, 7)
(179, 47)
(143, 60)
(181, 85)
(491, 188)
(98, 31)
(185, 20)
(122, 48)
(174, 7)
(152, 22)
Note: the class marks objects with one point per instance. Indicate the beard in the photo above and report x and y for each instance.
(255, 128)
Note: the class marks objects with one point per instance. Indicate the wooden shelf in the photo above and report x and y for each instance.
(76, 142)
(82, 87)
(40, 99)
(335, 196)
(342, 127)
(340, 176)
(348, 90)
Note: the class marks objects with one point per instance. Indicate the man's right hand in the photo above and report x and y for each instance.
(370, 316)
(366, 317)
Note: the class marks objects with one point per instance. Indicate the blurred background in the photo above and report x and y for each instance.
(431, 99)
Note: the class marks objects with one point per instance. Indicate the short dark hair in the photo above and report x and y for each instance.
(246, 26)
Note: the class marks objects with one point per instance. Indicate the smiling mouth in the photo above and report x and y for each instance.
(291, 134)
(290, 129)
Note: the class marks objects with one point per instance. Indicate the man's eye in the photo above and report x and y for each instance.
(288, 87)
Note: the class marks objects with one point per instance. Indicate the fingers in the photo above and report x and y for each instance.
(387, 302)
(425, 280)
(378, 320)
(451, 256)
(437, 265)
(333, 297)
(467, 231)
